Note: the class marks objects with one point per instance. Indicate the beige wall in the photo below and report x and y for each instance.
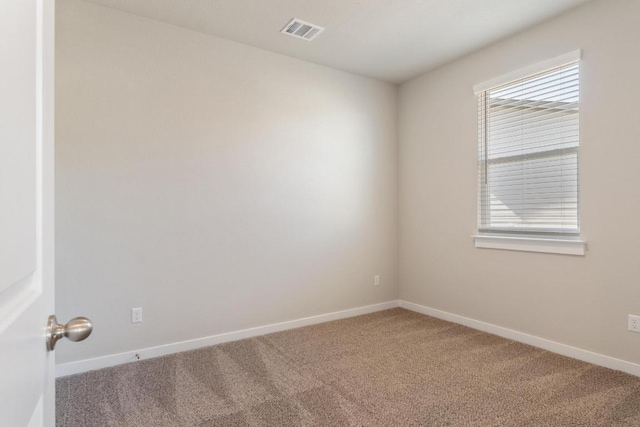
(217, 186)
(222, 187)
(579, 301)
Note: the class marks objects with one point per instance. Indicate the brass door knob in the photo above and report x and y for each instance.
(76, 329)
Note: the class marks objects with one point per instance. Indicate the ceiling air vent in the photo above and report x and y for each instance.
(301, 29)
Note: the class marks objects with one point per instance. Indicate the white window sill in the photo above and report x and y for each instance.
(531, 244)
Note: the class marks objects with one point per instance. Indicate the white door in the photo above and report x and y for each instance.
(26, 211)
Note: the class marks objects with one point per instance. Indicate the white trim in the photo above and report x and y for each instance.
(553, 346)
(531, 244)
(37, 415)
(162, 350)
(558, 61)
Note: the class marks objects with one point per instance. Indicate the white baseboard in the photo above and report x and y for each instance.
(86, 365)
(553, 346)
(147, 353)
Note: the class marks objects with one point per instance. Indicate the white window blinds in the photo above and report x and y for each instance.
(528, 154)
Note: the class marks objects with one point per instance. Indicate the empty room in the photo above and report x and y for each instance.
(319, 213)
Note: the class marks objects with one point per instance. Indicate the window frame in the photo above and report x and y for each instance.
(569, 243)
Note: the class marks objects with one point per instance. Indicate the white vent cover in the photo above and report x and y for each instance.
(301, 29)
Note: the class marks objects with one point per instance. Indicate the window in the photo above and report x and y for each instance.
(528, 154)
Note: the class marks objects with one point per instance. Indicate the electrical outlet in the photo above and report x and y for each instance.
(136, 315)
(376, 280)
(634, 323)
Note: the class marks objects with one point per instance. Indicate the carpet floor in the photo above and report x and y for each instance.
(391, 368)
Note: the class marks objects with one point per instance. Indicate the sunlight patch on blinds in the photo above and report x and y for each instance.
(528, 154)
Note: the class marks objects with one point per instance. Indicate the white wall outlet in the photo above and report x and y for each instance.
(634, 323)
(376, 280)
(136, 315)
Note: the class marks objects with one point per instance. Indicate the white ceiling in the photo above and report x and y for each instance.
(390, 40)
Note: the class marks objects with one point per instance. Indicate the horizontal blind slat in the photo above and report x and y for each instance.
(571, 70)
(519, 112)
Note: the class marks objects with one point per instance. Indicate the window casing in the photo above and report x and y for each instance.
(528, 154)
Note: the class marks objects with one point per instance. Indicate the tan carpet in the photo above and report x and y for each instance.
(392, 368)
